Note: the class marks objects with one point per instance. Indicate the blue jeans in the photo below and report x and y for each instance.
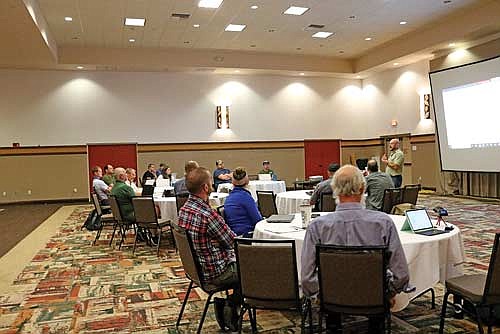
(397, 180)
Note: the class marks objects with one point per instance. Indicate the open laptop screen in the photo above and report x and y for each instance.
(419, 219)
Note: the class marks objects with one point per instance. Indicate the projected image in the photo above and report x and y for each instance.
(472, 114)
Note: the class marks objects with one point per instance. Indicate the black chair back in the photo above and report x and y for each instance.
(186, 253)
(147, 190)
(180, 199)
(410, 194)
(145, 211)
(115, 209)
(327, 202)
(97, 205)
(492, 288)
(266, 201)
(392, 197)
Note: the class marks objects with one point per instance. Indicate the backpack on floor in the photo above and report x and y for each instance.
(93, 222)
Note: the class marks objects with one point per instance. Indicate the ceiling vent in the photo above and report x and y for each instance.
(314, 27)
(181, 16)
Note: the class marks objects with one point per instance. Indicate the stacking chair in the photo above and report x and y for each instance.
(258, 261)
(266, 201)
(105, 218)
(481, 291)
(180, 199)
(410, 193)
(192, 270)
(352, 280)
(392, 197)
(121, 224)
(327, 202)
(146, 218)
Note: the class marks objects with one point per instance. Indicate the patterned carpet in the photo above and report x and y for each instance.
(71, 286)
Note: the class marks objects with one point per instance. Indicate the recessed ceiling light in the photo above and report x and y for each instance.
(395, 64)
(131, 40)
(368, 39)
(210, 3)
(293, 10)
(80, 67)
(235, 27)
(403, 22)
(451, 45)
(237, 71)
(134, 22)
(352, 17)
(322, 34)
(358, 76)
(196, 25)
(68, 19)
(254, 7)
(302, 74)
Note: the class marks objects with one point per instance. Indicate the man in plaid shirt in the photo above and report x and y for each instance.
(212, 238)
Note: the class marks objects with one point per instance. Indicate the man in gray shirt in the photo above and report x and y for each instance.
(323, 186)
(351, 225)
(180, 185)
(376, 183)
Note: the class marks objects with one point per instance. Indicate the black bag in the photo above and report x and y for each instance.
(93, 222)
(227, 312)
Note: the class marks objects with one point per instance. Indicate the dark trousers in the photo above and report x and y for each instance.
(334, 323)
(397, 180)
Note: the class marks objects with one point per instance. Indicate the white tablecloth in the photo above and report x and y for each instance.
(430, 259)
(290, 201)
(275, 186)
(168, 208)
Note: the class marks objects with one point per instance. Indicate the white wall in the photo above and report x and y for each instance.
(65, 107)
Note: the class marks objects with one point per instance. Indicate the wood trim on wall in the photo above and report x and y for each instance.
(143, 148)
(421, 139)
(43, 150)
(361, 143)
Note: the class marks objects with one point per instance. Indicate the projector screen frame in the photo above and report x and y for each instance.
(436, 119)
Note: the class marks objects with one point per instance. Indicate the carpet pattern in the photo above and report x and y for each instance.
(71, 286)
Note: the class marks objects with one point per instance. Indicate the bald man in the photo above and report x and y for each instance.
(123, 194)
(394, 163)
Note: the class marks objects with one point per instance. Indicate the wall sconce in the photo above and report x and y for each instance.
(394, 123)
(222, 117)
(427, 106)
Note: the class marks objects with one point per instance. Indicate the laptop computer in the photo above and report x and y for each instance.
(265, 177)
(280, 218)
(420, 223)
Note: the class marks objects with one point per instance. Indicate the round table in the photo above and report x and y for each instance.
(168, 207)
(289, 202)
(431, 259)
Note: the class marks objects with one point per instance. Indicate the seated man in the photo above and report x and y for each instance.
(221, 174)
(131, 175)
(266, 169)
(101, 189)
(108, 177)
(351, 225)
(149, 174)
(180, 185)
(213, 239)
(123, 194)
(376, 183)
(324, 186)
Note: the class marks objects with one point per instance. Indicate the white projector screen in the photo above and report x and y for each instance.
(467, 109)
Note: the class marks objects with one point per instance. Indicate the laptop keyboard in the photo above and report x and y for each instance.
(431, 232)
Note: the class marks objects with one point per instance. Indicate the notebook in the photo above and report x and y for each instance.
(280, 218)
(419, 222)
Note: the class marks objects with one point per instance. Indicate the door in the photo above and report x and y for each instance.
(118, 155)
(318, 154)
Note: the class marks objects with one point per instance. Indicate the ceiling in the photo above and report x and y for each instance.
(97, 38)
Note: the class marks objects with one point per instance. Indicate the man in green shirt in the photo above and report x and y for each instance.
(266, 169)
(394, 163)
(123, 194)
(108, 177)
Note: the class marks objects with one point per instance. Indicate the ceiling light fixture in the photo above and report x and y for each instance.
(352, 17)
(235, 27)
(302, 74)
(68, 19)
(358, 76)
(293, 10)
(368, 39)
(322, 34)
(395, 64)
(451, 45)
(196, 25)
(210, 3)
(237, 71)
(403, 22)
(80, 67)
(135, 22)
(254, 7)
(131, 40)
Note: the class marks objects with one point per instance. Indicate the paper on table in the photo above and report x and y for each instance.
(150, 182)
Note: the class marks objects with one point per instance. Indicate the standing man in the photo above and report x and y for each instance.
(221, 174)
(376, 184)
(395, 163)
(266, 169)
(108, 177)
(149, 174)
(351, 225)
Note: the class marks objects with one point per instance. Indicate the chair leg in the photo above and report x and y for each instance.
(184, 303)
(123, 231)
(490, 314)
(159, 240)
(200, 326)
(389, 323)
(240, 319)
(253, 319)
(320, 322)
(443, 312)
(113, 235)
(479, 322)
(135, 243)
